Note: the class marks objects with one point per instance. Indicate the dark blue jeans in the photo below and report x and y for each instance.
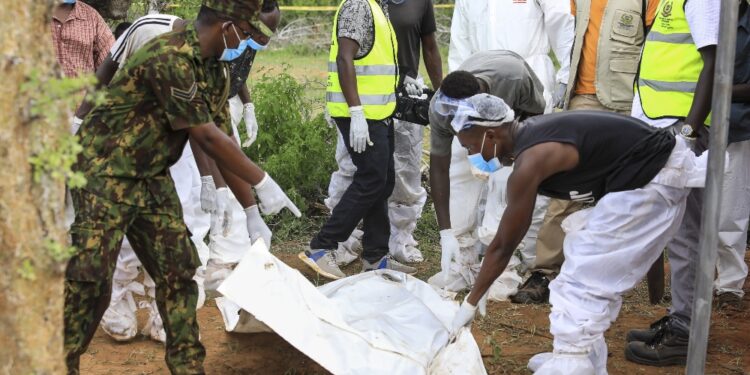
(366, 199)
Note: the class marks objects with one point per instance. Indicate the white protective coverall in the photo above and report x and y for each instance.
(217, 258)
(530, 28)
(608, 249)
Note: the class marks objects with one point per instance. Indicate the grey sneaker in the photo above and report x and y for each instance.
(323, 262)
(387, 262)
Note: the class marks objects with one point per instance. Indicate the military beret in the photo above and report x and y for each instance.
(238, 9)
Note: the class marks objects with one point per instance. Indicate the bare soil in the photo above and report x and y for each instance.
(508, 337)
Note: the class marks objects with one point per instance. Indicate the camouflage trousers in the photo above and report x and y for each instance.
(161, 241)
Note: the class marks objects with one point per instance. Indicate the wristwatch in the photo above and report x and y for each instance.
(687, 131)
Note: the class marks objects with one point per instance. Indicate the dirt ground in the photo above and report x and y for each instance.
(508, 337)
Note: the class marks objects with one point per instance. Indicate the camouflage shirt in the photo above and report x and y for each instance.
(132, 138)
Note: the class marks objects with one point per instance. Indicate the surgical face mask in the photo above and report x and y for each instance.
(481, 168)
(255, 45)
(68, 1)
(230, 54)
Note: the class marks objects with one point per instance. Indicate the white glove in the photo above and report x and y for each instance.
(208, 194)
(222, 219)
(256, 227)
(559, 97)
(359, 133)
(450, 248)
(251, 124)
(466, 314)
(75, 124)
(413, 87)
(273, 199)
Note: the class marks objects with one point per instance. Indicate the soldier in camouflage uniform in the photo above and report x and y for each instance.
(173, 88)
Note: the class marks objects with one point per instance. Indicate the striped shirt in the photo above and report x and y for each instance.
(82, 41)
(139, 33)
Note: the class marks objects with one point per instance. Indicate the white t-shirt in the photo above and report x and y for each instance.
(139, 33)
(703, 19)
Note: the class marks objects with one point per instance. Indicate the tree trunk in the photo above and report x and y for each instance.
(31, 212)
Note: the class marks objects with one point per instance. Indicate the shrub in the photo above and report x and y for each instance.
(294, 145)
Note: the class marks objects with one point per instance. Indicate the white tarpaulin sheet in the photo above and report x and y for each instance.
(379, 322)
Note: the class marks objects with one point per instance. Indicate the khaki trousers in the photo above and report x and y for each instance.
(549, 245)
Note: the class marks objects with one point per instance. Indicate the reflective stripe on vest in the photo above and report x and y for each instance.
(377, 72)
(670, 65)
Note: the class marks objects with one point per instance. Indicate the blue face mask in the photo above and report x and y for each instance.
(255, 45)
(68, 1)
(481, 168)
(230, 54)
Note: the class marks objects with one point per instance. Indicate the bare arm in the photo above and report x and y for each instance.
(347, 77)
(532, 167)
(244, 94)
(432, 60)
(225, 152)
(440, 188)
(104, 75)
(241, 189)
(701, 106)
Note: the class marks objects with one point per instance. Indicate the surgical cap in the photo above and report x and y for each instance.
(481, 110)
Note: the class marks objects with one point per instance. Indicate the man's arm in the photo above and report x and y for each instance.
(225, 152)
(532, 167)
(241, 189)
(432, 60)
(347, 77)
(104, 75)
(701, 106)
(244, 95)
(103, 41)
(440, 188)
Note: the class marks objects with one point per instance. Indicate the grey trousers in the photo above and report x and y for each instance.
(683, 248)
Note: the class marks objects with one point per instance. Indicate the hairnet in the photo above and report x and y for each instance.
(481, 109)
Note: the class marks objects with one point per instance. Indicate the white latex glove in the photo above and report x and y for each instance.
(413, 87)
(559, 97)
(221, 221)
(251, 124)
(359, 133)
(256, 227)
(75, 124)
(273, 199)
(449, 246)
(467, 312)
(208, 194)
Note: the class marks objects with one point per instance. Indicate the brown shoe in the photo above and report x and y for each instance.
(534, 291)
(728, 301)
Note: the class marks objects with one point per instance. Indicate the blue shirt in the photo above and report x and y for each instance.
(739, 119)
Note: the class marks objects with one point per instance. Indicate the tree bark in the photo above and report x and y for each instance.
(31, 213)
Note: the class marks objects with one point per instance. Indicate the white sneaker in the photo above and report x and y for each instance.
(119, 321)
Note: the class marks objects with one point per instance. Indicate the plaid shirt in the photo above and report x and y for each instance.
(82, 41)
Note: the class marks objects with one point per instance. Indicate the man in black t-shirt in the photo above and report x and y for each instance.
(637, 176)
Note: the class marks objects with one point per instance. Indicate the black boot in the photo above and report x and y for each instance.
(669, 347)
(534, 291)
(646, 335)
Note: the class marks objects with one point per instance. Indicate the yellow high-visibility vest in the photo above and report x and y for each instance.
(377, 71)
(670, 65)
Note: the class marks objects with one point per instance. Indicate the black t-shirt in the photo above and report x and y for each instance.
(616, 152)
(411, 20)
(240, 69)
